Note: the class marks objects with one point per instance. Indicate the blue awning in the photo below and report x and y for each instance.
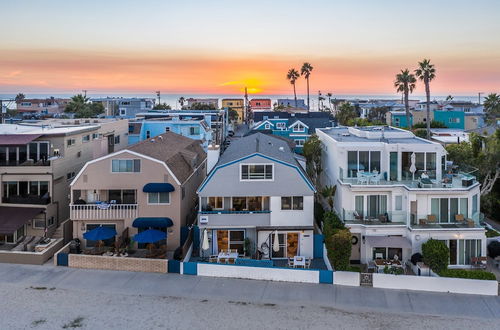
(158, 187)
(152, 222)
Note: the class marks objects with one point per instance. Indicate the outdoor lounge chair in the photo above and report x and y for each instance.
(479, 262)
(290, 262)
(376, 179)
(361, 178)
(223, 260)
(431, 218)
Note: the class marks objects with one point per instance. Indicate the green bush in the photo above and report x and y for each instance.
(393, 270)
(318, 213)
(470, 274)
(331, 219)
(436, 255)
(356, 269)
(492, 233)
(339, 249)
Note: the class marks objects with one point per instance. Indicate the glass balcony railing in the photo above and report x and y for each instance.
(375, 218)
(450, 222)
(30, 199)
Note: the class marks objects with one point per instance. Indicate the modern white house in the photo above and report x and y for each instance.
(258, 188)
(395, 192)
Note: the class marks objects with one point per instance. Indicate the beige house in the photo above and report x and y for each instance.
(151, 184)
(37, 163)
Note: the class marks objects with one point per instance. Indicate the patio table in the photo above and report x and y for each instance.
(369, 175)
(227, 255)
(299, 261)
(381, 263)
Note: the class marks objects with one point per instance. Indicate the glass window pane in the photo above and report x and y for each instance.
(453, 208)
(34, 188)
(44, 188)
(298, 203)
(164, 197)
(255, 203)
(461, 252)
(399, 203)
(244, 172)
(359, 205)
(153, 198)
(137, 165)
(130, 165)
(464, 207)
(374, 160)
(128, 196)
(364, 164)
(419, 160)
(431, 164)
(286, 203)
(23, 188)
(435, 207)
(239, 203)
(269, 172)
(352, 163)
(393, 166)
(115, 164)
(115, 195)
(3, 155)
(23, 154)
(44, 150)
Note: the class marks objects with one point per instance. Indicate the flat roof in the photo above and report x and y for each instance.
(370, 134)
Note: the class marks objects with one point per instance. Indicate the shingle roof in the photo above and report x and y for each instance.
(181, 154)
(264, 144)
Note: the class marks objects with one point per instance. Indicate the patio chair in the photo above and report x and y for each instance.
(372, 268)
(308, 262)
(379, 256)
(362, 179)
(460, 218)
(431, 218)
(290, 262)
(358, 216)
(223, 260)
(212, 259)
(375, 179)
(231, 261)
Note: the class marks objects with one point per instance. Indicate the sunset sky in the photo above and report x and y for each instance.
(218, 47)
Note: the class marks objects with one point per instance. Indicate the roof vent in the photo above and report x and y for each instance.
(152, 140)
(160, 137)
(346, 134)
(282, 149)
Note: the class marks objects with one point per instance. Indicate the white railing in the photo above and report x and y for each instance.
(102, 211)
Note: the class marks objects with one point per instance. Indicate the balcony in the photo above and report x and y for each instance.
(235, 218)
(30, 199)
(102, 211)
(386, 219)
(429, 221)
(26, 163)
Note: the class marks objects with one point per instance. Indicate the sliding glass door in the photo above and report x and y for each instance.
(446, 209)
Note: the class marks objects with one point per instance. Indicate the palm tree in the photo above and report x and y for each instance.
(329, 100)
(306, 72)
(492, 107)
(449, 98)
(426, 72)
(292, 76)
(405, 84)
(19, 97)
(182, 100)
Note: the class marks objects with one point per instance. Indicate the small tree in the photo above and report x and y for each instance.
(339, 249)
(346, 111)
(328, 192)
(332, 221)
(436, 255)
(312, 153)
(162, 106)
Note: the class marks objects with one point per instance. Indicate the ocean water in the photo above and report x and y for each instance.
(172, 99)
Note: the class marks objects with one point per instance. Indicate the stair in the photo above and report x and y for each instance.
(59, 232)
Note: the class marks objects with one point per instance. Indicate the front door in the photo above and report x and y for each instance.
(288, 245)
(292, 240)
(111, 143)
(356, 248)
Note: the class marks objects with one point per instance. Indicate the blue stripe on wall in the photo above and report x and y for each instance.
(326, 276)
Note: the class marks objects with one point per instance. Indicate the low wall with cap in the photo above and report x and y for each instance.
(118, 263)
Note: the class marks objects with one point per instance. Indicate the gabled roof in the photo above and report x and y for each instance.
(259, 124)
(182, 155)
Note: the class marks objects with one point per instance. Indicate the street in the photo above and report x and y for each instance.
(48, 297)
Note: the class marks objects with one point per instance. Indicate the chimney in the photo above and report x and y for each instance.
(213, 154)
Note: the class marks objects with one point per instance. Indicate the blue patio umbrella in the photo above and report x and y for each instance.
(150, 236)
(100, 233)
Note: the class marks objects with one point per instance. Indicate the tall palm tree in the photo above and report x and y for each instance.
(329, 100)
(292, 76)
(405, 84)
(20, 97)
(182, 100)
(426, 72)
(306, 72)
(492, 107)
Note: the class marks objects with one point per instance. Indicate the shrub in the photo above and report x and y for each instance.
(393, 270)
(331, 219)
(436, 254)
(494, 249)
(470, 274)
(356, 269)
(318, 213)
(339, 248)
(492, 233)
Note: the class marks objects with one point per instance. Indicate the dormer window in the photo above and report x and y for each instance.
(299, 128)
(267, 126)
(256, 172)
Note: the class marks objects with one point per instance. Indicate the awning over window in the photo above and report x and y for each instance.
(388, 241)
(17, 139)
(152, 222)
(13, 218)
(158, 187)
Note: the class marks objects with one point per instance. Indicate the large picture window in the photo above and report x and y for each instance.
(362, 161)
(230, 239)
(257, 172)
(126, 165)
(445, 209)
(159, 198)
(463, 250)
(216, 203)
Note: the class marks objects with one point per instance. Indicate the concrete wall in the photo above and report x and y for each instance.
(259, 273)
(302, 217)
(31, 258)
(346, 278)
(435, 284)
(118, 263)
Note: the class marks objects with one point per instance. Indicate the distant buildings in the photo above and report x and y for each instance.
(290, 103)
(237, 105)
(297, 127)
(261, 104)
(43, 106)
(205, 101)
(124, 107)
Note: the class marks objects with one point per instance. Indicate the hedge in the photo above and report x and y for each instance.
(470, 274)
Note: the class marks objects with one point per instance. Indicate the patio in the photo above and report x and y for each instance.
(316, 263)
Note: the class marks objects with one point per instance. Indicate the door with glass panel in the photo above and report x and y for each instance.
(288, 245)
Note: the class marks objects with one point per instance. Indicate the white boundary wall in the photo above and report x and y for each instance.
(346, 278)
(434, 284)
(259, 273)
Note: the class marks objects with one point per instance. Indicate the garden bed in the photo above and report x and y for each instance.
(470, 274)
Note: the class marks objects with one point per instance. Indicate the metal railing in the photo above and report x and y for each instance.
(449, 222)
(385, 218)
(102, 211)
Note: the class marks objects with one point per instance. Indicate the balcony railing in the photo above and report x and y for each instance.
(233, 212)
(36, 200)
(25, 163)
(102, 211)
(386, 218)
(428, 221)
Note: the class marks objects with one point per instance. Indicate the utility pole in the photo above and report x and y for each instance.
(479, 97)
(158, 94)
(84, 93)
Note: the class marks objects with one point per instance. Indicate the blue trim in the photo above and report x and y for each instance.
(158, 187)
(152, 222)
(190, 268)
(232, 212)
(212, 173)
(326, 276)
(318, 246)
(62, 259)
(174, 266)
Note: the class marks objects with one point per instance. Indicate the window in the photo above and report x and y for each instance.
(280, 125)
(125, 103)
(267, 126)
(126, 196)
(26, 104)
(362, 161)
(474, 204)
(454, 120)
(95, 136)
(424, 161)
(292, 203)
(299, 143)
(86, 138)
(117, 139)
(254, 203)
(123, 112)
(399, 203)
(148, 134)
(125, 165)
(463, 250)
(445, 209)
(229, 239)
(159, 198)
(51, 221)
(216, 203)
(194, 130)
(167, 129)
(257, 172)
(299, 128)
(70, 142)
(70, 175)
